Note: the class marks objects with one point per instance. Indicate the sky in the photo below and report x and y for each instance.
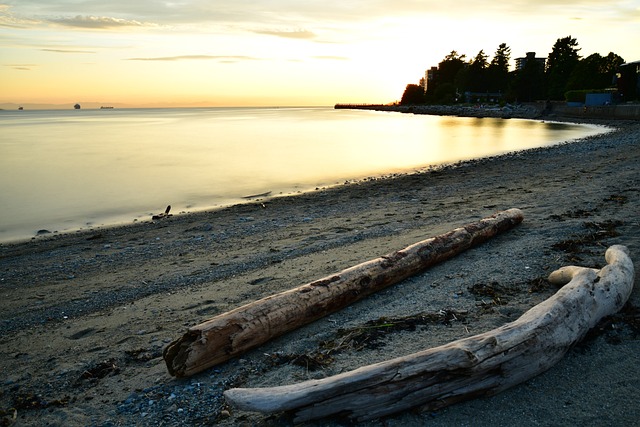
(173, 53)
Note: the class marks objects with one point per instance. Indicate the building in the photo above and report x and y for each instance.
(628, 81)
(530, 56)
(429, 77)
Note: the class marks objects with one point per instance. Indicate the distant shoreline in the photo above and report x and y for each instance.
(532, 110)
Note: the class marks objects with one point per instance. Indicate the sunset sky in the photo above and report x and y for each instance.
(275, 52)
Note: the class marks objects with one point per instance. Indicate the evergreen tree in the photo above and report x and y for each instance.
(476, 76)
(450, 66)
(561, 62)
(595, 72)
(498, 70)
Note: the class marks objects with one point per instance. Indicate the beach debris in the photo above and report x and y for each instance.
(233, 333)
(164, 214)
(256, 196)
(100, 370)
(481, 365)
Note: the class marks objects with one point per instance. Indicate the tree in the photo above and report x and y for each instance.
(595, 72)
(450, 66)
(561, 62)
(498, 70)
(445, 93)
(413, 94)
(449, 76)
(476, 76)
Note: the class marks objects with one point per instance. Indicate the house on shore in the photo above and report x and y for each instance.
(629, 81)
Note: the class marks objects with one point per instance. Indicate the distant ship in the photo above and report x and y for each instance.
(77, 106)
(105, 108)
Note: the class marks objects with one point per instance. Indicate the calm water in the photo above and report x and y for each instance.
(62, 170)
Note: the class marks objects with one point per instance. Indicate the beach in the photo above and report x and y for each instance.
(85, 316)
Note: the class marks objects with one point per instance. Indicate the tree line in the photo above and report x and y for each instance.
(563, 71)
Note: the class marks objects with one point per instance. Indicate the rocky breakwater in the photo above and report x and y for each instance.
(525, 111)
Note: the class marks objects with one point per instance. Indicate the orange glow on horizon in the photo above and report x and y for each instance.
(303, 55)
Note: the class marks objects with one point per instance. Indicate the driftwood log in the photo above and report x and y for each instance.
(235, 332)
(481, 365)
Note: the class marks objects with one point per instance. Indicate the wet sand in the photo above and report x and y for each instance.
(85, 316)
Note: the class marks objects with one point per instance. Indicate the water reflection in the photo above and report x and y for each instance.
(62, 169)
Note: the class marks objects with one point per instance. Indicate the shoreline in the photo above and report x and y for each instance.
(107, 301)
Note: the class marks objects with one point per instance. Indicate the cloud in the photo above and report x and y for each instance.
(21, 67)
(221, 58)
(334, 58)
(67, 51)
(9, 20)
(290, 34)
(99, 22)
(290, 13)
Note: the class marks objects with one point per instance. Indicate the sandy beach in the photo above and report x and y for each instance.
(85, 316)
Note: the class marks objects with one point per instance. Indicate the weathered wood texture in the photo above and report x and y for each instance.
(476, 366)
(235, 332)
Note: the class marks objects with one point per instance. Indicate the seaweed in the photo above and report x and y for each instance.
(371, 334)
(499, 294)
(538, 285)
(595, 235)
(100, 370)
(312, 361)
(620, 200)
(367, 336)
(612, 328)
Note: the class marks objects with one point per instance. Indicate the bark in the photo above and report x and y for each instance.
(481, 365)
(235, 332)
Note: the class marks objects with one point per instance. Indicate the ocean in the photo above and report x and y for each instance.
(65, 170)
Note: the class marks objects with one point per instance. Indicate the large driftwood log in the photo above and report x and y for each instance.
(476, 366)
(235, 332)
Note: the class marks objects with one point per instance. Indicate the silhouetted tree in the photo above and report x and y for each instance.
(498, 70)
(449, 68)
(413, 95)
(564, 71)
(476, 73)
(595, 72)
(445, 93)
(560, 64)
